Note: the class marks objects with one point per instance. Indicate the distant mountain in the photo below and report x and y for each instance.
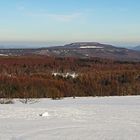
(84, 45)
(81, 50)
(92, 49)
(137, 48)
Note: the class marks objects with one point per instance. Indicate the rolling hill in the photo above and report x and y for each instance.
(91, 49)
(79, 49)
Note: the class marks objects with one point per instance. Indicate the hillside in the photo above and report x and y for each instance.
(137, 48)
(91, 49)
(80, 50)
(41, 76)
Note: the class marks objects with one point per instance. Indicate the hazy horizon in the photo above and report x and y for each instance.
(52, 22)
(58, 43)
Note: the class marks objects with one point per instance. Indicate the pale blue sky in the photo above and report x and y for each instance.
(110, 21)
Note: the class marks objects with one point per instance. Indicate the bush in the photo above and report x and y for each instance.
(28, 101)
(6, 101)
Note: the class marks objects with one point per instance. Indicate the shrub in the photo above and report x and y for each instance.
(6, 101)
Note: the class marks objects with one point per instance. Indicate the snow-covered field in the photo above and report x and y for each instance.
(105, 118)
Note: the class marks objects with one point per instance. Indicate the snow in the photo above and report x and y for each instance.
(3, 55)
(45, 114)
(88, 118)
(91, 47)
(65, 75)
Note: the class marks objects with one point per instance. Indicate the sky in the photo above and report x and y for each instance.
(61, 21)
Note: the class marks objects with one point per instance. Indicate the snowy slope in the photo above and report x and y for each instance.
(91, 47)
(106, 118)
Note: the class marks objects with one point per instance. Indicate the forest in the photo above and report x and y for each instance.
(32, 77)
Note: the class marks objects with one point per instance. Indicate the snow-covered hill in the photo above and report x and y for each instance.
(79, 50)
(105, 118)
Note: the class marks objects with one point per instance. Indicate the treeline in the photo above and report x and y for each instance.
(31, 77)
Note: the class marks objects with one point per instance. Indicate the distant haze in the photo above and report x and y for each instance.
(29, 44)
(65, 21)
(57, 43)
